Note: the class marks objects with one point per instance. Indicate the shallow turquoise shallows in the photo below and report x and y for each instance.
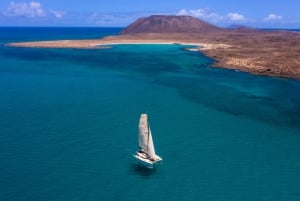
(69, 124)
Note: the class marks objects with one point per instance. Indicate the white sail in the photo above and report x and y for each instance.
(145, 137)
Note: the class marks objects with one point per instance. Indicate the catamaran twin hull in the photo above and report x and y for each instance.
(146, 162)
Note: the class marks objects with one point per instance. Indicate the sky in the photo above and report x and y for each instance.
(120, 13)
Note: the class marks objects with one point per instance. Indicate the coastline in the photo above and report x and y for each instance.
(264, 53)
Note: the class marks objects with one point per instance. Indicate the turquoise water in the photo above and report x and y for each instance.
(68, 125)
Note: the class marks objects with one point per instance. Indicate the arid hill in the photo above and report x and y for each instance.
(169, 24)
(273, 53)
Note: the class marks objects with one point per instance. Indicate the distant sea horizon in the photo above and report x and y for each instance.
(69, 124)
(72, 33)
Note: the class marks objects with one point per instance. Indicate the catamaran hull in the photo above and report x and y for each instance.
(146, 162)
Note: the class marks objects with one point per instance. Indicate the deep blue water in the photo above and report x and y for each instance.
(68, 124)
(16, 34)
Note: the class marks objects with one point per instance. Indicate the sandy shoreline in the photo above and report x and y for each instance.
(273, 54)
(98, 43)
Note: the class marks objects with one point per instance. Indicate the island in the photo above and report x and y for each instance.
(263, 52)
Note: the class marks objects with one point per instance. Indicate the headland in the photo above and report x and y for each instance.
(273, 53)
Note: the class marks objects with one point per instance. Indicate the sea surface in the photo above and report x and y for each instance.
(69, 117)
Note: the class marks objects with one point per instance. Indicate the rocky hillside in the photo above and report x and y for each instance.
(169, 24)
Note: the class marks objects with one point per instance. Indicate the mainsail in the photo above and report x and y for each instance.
(145, 137)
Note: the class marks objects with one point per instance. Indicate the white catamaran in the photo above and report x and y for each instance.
(146, 154)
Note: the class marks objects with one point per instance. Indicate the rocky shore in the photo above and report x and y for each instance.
(273, 53)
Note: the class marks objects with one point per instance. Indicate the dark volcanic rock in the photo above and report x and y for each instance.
(169, 24)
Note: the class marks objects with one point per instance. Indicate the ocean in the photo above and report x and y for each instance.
(69, 123)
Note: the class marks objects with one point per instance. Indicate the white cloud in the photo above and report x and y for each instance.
(211, 16)
(31, 9)
(183, 12)
(57, 14)
(203, 14)
(236, 17)
(272, 17)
